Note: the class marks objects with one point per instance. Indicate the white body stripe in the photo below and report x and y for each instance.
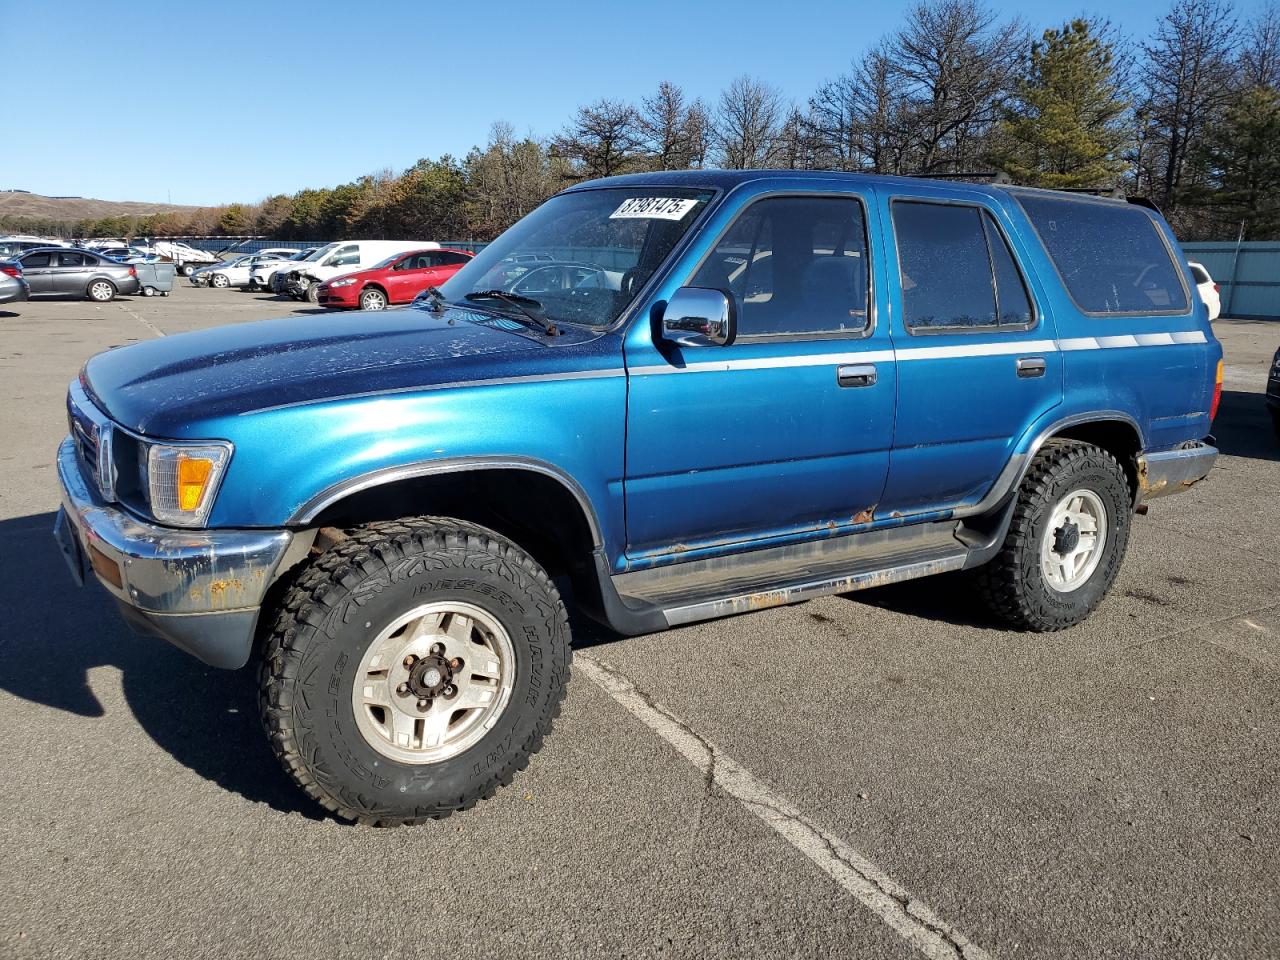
(948, 352)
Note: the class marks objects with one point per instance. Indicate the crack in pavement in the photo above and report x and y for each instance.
(867, 883)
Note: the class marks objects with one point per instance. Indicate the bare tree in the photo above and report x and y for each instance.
(672, 132)
(857, 120)
(1187, 80)
(748, 121)
(603, 139)
(1260, 55)
(955, 63)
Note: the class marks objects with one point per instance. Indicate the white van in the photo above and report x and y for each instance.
(345, 256)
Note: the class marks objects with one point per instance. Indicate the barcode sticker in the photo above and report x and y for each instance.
(653, 208)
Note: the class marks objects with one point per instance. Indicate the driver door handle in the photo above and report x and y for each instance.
(1031, 366)
(856, 375)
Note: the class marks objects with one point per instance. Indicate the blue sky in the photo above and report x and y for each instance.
(190, 110)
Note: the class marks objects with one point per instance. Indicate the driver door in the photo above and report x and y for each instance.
(786, 432)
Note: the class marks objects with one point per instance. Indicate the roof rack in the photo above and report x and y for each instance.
(1115, 191)
(977, 176)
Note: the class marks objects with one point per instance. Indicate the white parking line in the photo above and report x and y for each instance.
(866, 882)
(146, 323)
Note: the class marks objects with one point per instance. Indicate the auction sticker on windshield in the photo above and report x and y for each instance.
(654, 208)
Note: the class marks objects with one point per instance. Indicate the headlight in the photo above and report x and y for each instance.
(344, 282)
(182, 480)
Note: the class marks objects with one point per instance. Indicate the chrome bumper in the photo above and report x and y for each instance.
(199, 589)
(1172, 471)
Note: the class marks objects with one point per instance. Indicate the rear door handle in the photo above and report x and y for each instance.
(856, 375)
(1031, 366)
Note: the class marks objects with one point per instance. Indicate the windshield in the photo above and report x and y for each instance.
(583, 256)
(320, 253)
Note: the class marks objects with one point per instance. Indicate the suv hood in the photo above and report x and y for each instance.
(167, 387)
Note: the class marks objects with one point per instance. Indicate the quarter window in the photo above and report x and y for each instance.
(794, 266)
(956, 269)
(1111, 255)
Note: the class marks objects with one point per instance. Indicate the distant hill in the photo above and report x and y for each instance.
(19, 203)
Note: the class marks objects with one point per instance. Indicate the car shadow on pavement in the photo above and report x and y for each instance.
(206, 719)
(1243, 427)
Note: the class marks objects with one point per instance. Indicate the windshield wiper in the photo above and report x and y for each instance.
(521, 303)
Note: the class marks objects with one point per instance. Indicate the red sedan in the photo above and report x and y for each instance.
(398, 279)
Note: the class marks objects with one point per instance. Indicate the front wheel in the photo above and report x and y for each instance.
(1065, 542)
(373, 300)
(219, 280)
(414, 668)
(311, 293)
(101, 291)
(187, 269)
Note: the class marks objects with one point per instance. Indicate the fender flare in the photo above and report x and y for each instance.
(332, 494)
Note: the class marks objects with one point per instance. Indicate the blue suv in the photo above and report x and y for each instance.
(670, 396)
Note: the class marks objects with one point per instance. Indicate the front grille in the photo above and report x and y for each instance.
(93, 436)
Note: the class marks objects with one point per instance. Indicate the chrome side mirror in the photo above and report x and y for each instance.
(698, 317)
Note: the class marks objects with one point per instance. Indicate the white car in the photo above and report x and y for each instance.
(1207, 288)
(238, 272)
(261, 274)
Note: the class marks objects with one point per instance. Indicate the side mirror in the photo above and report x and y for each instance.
(698, 317)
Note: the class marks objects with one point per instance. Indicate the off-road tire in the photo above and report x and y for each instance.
(1012, 584)
(337, 606)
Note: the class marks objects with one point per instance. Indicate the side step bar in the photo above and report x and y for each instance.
(794, 593)
(673, 594)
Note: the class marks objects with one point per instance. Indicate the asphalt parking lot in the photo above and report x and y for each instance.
(793, 782)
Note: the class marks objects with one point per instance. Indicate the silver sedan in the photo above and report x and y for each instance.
(59, 271)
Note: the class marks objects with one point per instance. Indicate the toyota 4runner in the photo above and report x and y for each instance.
(721, 391)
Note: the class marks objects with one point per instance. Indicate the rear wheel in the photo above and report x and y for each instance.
(373, 299)
(187, 269)
(413, 669)
(1065, 542)
(101, 291)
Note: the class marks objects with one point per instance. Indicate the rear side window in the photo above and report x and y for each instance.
(956, 269)
(1200, 274)
(1112, 257)
(71, 260)
(35, 260)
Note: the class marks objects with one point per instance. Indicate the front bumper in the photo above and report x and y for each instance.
(1172, 471)
(199, 589)
(348, 296)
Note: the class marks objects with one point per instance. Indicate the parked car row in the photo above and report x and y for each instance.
(355, 274)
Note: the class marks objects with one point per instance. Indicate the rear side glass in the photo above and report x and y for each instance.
(35, 260)
(1111, 256)
(1012, 302)
(1200, 275)
(944, 266)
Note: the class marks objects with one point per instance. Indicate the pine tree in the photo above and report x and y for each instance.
(1064, 127)
(1240, 164)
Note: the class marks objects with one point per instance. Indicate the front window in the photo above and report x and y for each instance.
(320, 253)
(583, 256)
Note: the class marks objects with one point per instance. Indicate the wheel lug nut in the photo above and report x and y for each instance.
(403, 689)
(437, 648)
(410, 660)
(449, 690)
(424, 705)
(455, 663)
